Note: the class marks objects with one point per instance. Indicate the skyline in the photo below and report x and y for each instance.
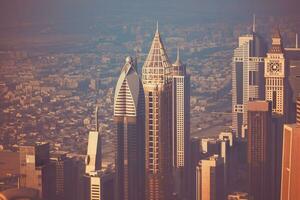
(188, 109)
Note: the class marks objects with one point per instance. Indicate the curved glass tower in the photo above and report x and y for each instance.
(129, 116)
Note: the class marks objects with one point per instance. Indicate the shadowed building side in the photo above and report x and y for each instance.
(158, 103)
(129, 116)
(259, 139)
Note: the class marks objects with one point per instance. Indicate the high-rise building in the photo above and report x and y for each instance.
(129, 116)
(259, 136)
(194, 157)
(210, 179)
(157, 84)
(181, 124)
(276, 73)
(290, 160)
(247, 78)
(98, 182)
(93, 158)
(293, 59)
(99, 185)
(275, 142)
(66, 176)
(36, 171)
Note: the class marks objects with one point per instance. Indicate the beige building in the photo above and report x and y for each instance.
(36, 171)
(290, 181)
(210, 179)
(158, 93)
(276, 76)
(181, 124)
(247, 78)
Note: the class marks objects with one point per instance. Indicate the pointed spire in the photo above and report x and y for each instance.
(157, 27)
(276, 33)
(157, 58)
(178, 56)
(296, 40)
(178, 61)
(254, 24)
(96, 119)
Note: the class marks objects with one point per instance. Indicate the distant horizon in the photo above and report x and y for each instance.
(16, 12)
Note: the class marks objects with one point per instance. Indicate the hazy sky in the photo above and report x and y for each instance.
(18, 11)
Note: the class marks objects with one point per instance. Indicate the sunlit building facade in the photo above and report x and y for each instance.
(129, 116)
(158, 103)
(290, 162)
(210, 179)
(94, 150)
(180, 123)
(276, 75)
(247, 78)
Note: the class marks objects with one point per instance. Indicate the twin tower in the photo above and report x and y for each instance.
(152, 121)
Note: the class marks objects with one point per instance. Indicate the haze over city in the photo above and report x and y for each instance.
(136, 99)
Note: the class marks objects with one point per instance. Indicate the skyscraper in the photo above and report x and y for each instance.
(293, 59)
(93, 158)
(99, 185)
(36, 171)
(158, 97)
(290, 160)
(259, 134)
(129, 116)
(181, 124)
(276, 73)
(66, 176)
(247, 78)
(210, 179)
(194, 157)
(275, 142)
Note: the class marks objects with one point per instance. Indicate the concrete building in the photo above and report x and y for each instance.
(129, 116)
(259, 149)
(181, 124)
(66, 176)
(276, 77)
(210, 179)
(293, 59)
(290, 160)
(158, 103)
(36, 171)
(100, 185)
(94, 150)
(194, 157)
(247, 78)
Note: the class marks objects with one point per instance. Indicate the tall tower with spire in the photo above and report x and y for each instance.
(158, 97)
(129, 116)
(94, 157)
(247, 77)
(181, 124)
(276, 73)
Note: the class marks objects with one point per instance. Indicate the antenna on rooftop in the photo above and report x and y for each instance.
(96, 119)
(254, 23)
(296, 40)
